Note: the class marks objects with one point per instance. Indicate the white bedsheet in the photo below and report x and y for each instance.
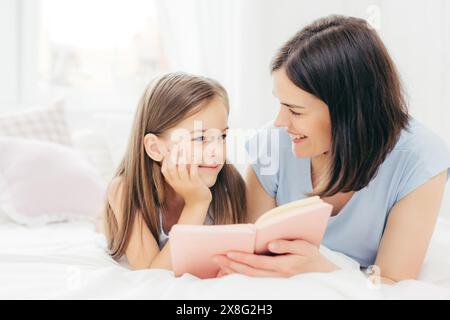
(68, 261)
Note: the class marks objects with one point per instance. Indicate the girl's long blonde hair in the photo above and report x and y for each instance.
(166, 101)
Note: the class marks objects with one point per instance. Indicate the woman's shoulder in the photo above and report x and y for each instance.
(418, 145)
(269, 135)
(419, 155)
(268, 145)
(420, 139)
(270, 148)
(271, 157)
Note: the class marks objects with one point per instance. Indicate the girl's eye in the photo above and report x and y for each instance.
(294, 113)
(199, 139)
(203, 138)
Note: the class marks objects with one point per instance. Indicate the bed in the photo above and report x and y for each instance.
(68, 261)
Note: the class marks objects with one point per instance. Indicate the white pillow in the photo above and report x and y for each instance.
(3, 217)
(41, 124)
(43, 182)
(93, 145)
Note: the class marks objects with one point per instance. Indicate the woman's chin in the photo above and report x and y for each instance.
(300, 151)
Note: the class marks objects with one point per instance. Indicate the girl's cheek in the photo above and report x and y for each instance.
(222, 155)
(202, 153)
(196, 155)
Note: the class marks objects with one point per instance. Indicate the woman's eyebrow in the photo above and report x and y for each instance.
(292, 105)
(289, 105)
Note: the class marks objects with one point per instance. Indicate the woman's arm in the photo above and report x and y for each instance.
(408, 231)
(258, 201)
(401, 252)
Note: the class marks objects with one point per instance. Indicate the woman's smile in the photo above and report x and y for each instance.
(297, 138)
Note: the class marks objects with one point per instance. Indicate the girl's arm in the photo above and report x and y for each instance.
(258, 201)
(189, 215)
(143, 251)
(142, 246)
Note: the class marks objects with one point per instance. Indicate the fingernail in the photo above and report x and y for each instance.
(273, 246)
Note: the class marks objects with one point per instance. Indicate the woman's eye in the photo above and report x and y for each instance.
(224, 136)
(294, 113)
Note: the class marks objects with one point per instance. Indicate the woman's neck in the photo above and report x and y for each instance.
(319, 167)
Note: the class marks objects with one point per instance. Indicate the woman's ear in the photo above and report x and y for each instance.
(154, 147)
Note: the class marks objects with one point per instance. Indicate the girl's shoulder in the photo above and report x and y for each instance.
(114, 194)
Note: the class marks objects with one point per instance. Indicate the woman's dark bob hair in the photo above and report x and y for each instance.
(342, 61)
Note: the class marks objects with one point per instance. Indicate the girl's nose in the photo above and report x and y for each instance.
(215, 151)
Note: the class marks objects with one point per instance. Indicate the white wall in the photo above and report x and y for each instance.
(417, 34)
(9, 72)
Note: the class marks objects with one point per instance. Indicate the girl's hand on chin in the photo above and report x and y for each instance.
(187, 183)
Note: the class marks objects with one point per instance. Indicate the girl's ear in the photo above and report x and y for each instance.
(154, 147)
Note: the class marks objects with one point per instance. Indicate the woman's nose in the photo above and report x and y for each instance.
(282, 119)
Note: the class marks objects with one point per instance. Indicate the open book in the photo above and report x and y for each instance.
(193, 246)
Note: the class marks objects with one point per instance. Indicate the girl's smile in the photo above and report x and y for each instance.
(209, 167)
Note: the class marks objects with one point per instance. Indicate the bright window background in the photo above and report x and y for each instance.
(97, 54)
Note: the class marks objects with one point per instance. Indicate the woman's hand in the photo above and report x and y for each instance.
(293, 257)
(187, 184)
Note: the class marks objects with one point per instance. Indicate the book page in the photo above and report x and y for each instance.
(286, 208)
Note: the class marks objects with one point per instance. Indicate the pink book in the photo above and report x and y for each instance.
(193, 246)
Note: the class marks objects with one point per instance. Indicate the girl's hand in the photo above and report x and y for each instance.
(187, 184)
(294, 257)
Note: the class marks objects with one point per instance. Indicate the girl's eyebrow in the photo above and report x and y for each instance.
(207, 130)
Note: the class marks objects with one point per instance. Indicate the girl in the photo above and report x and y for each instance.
(174, 170)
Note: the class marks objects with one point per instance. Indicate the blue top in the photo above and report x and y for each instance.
(357, 229)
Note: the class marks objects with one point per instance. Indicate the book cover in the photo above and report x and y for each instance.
(193, 246)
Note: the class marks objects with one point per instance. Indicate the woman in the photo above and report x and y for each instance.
(343, 132)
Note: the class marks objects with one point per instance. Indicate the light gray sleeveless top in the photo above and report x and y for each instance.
(163, 237)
